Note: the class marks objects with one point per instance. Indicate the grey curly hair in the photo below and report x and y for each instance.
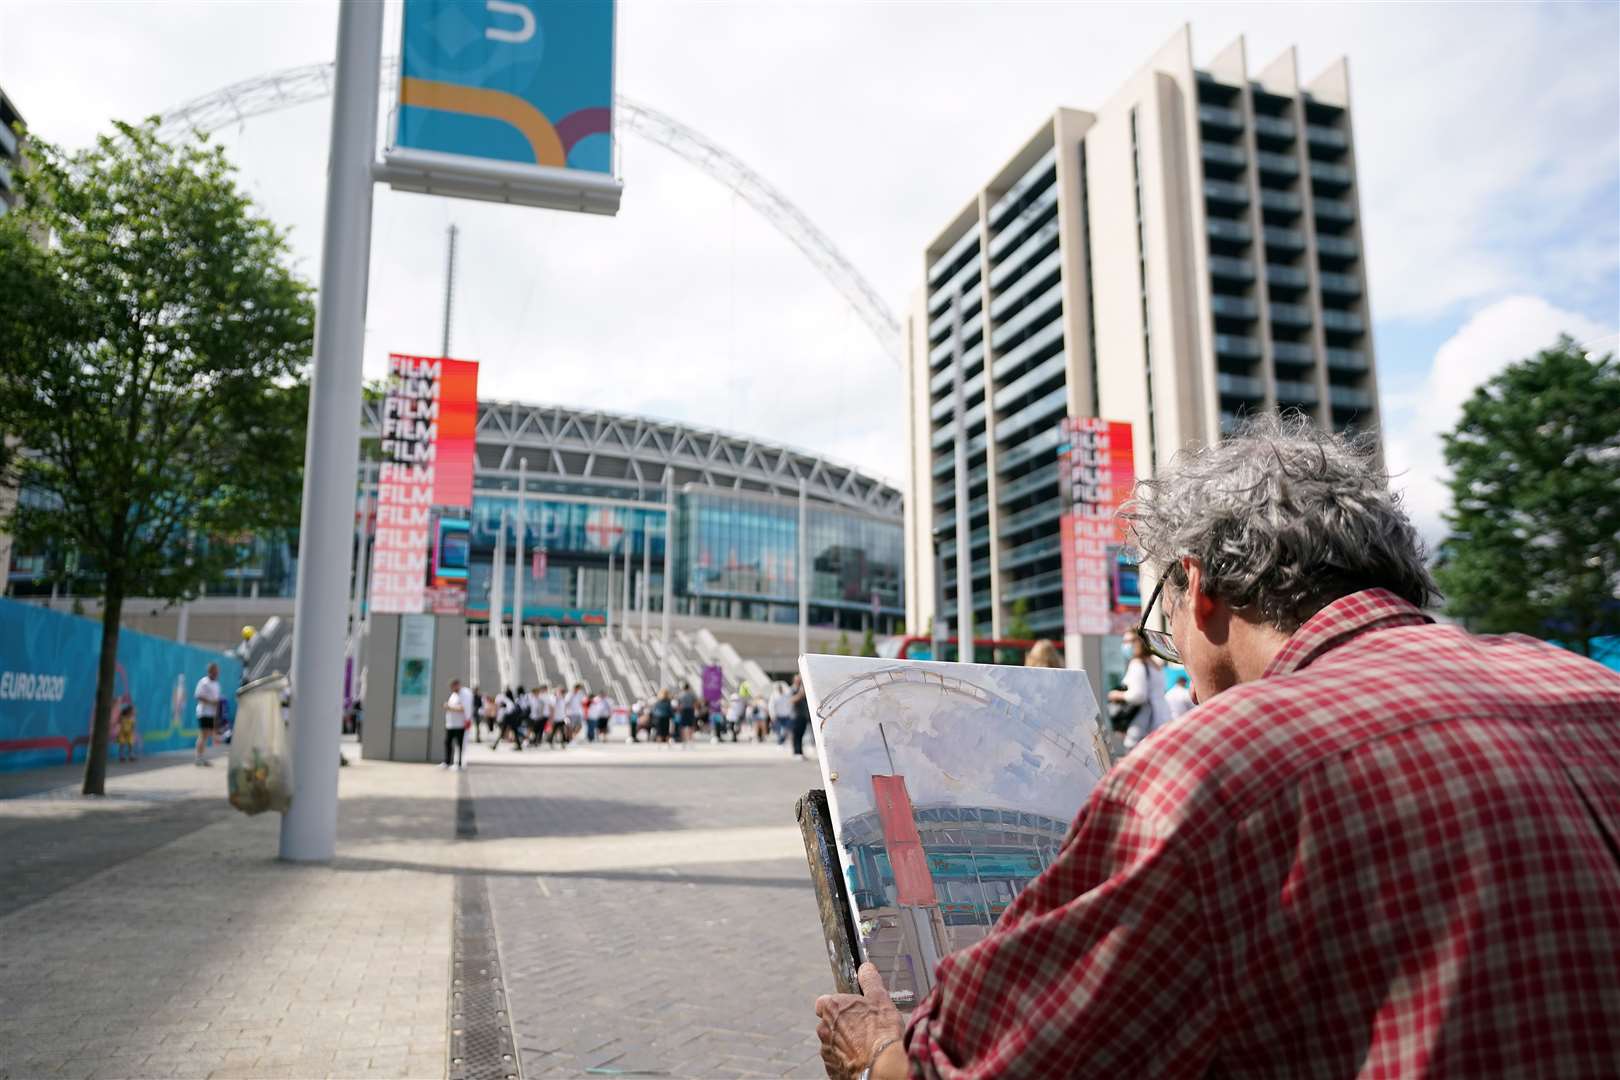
(1283, 519)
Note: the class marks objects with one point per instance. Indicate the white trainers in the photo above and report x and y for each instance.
(444, 764)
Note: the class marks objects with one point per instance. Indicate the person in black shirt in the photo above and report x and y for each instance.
(801, 716)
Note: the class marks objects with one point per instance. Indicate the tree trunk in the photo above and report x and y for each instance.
(95, 762)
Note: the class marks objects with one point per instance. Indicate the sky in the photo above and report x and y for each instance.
(1487, 137)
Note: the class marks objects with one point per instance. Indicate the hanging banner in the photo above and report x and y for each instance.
(428, 434)
(507, 100)
(1096, 471)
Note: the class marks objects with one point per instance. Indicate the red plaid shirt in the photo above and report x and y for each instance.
(1396, 854)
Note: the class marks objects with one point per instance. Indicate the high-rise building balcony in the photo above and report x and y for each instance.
(1040, 409)
(1273, 129)
(972, 362)
(965, 282)
(1045, 371)
(8, 142)
(1037, 445)
(1042, 172)
(1234, 232)
(1345, 322)
(1237, 346)
(941, 353)
(1044, 306)
(1034, 551)
(1036, 277)
(1325, 137)
(1279, 238)
(1246, 387)
(1287, 277)
(1350, 397)
(1337, 247)
(942, 407)
(1290, 314)
(1220, 117)
(1225, 266)
(1224, 191)
(1347, 360)
(1277, 164)
(1326, 176)
(1035, 515)
(946, 264)
(1281, 204)
(1033, 586)
(1333, 210)
(1341, 284)
(1035, 247)
(1292, 392)
(1234, 307)
(1293, 352)
(1223, 156)
(1047, 337)
(1018, 227)
(1035, 481)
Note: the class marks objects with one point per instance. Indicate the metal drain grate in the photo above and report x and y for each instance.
(481, 1045)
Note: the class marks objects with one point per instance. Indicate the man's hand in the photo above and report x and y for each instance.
(857, 1030)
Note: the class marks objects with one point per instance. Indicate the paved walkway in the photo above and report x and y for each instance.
(651, 908)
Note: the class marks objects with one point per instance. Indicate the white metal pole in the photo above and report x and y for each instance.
(964, 549)
(804, 572)
(517, 568)
(669, 573)
(608, 604)
(646, 570)
(182, 633)
(624, 606)
(332, 446)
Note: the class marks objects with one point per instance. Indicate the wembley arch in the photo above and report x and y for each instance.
(288, 87)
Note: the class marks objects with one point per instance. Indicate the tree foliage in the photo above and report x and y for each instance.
(153, 353)
(1534, 541)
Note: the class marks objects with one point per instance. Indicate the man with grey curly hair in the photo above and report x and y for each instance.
(1380, 846)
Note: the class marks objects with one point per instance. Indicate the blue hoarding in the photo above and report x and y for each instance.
(523, 81)
(48, 664)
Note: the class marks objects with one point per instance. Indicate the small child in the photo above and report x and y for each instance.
(126, 732)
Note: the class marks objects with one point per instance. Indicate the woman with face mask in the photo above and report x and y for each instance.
(1144, 689)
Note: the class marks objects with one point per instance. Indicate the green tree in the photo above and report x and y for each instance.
(869, 643)
(1534, 542)
(842, 648)
(153, 355)
(1018, 625)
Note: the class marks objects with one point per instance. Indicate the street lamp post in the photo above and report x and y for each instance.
(332, 446)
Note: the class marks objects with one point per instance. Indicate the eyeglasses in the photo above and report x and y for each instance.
(1159, 642)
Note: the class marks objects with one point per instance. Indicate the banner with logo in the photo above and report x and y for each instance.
(427, 444)
(1096, 471)
(48, 665)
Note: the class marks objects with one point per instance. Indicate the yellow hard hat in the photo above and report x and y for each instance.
(247, 633)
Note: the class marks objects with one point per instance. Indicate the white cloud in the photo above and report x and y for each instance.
(1499, 334)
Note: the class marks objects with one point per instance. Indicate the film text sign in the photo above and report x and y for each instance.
(428, 418)
(1096, 473)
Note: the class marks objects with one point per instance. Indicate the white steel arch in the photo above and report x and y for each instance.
(288, 87)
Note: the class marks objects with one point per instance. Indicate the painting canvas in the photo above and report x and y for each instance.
(951, 787)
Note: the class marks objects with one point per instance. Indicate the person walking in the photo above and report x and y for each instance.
(663, 713)
(209, 696)
(457, 709)
(475, 718)
(1179, 698)
(736, 715)
(781, 711)
(685, 714)
(573, 708)
(597, 715)
(1143, 691)
(801, 715)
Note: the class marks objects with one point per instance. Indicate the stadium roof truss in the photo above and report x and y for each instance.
(633, 452)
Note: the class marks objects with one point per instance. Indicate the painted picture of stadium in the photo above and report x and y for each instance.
(951, 787)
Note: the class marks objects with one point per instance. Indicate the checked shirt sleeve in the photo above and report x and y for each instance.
(1100, 968)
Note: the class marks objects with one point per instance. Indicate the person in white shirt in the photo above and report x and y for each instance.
(599, 712)
(1144, 688)
(458, 710)
(208, 696)
(573, 708)
(1179, 698)
(781, 712)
